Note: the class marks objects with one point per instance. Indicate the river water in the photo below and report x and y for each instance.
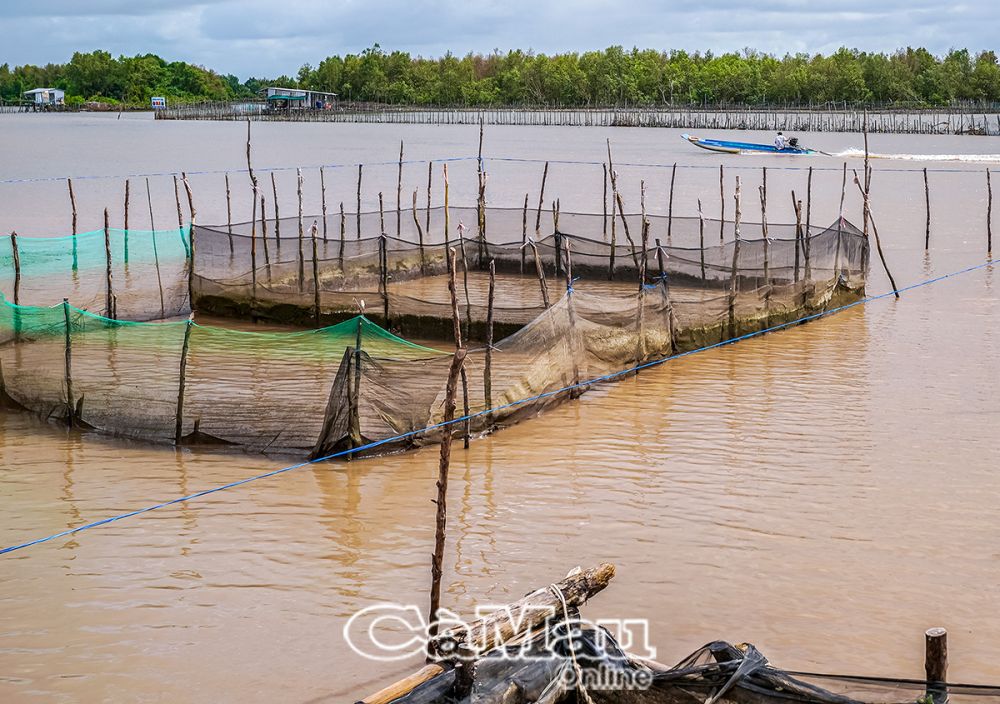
(827, 492)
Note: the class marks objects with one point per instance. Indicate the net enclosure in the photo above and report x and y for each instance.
(589, 298)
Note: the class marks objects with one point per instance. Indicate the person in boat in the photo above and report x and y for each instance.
(779, 142)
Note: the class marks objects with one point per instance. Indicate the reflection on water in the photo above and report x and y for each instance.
(833, 483)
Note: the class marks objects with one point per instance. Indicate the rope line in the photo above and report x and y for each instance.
(42, 179)
(527, 160)
(513, 404)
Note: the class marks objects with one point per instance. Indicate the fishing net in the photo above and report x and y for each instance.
(582, 302)
(148, 271)
(586, 664)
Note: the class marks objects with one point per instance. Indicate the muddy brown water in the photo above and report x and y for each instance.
(826, 492)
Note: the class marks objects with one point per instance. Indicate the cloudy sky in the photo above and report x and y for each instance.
(269, 37)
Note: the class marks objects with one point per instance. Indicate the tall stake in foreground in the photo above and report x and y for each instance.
(441, 518)
(878, 241)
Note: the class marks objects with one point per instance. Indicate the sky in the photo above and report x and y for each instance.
(273, 37)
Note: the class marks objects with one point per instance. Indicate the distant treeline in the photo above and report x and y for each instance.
(614, 76)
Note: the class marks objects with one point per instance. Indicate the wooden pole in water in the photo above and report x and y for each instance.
(809, 191)
(420, 231)
(797, 207)
(229, 214)
(722, 199)
(156, 258)
(182, 382)
(343, 235)
(441, 518)
(989, 213)
(277, 213)
(383, 263)
(359, 202)
(313, 231)
(68, 365)
(604, 166)
(399, 192)
(734, 271)
(670, 206)
(936, 655)
(541, 200)
(17, 268)
(430, 171)
(488, 366)
(322, 197)
(191, 233)
(72, 203)
(524, 231)
(878, 241)
(701, 238)
(927, 201)
(109, 306)
(177, 200)
(866, 203)
(302, 256)
(125, 226)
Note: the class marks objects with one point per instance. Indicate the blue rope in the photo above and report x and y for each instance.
(513, 404)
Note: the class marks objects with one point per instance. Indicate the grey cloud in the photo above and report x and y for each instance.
(263, 37)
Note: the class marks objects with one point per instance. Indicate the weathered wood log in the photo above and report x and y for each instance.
(313, 232)
(927, 201)
(229, 214)
(399, 192)
(989, 213)
(68, 364)
(358, 215)
(17, 268)
(670, 205)
(404, 686)
(488, 366)
(277, 213)
(302, 255)
(525, 614)
(722, 199)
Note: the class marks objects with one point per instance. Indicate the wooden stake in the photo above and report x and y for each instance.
(359, 202)
(399, 193)
(302, 256)
(420, 231)
(488, 367)
(229, 214)
(604, 166)
(182, 383)
(722, 199)
(541, 200)
(701, 238)
(797, 207)
(277, 213)
(878, 241)
(343, 234)
(809, 190)
(457, 365)
(109, 307)
(989, 213)
(927, 201)
(865, 207)
(177, 200)
(322, 202)
(670, 206)
(17, 269)
(383, 263)
(68, 367)
(313, 231)
(156, 258)
(263, 238)
(541, 274)
(125, 227)
(430, 171)
(72, 203)
(524, 230)
(936, 655)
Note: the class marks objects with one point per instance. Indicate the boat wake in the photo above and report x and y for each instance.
(963, 158)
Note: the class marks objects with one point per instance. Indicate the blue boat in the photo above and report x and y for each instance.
(719, 145)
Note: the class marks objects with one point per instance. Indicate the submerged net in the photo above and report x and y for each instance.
(586, 664)
(582, 302)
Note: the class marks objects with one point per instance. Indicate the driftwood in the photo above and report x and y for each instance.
(517, 619)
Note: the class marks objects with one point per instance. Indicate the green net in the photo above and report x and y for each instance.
(149, 271)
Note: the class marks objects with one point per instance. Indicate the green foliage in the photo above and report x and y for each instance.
(613, 76)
